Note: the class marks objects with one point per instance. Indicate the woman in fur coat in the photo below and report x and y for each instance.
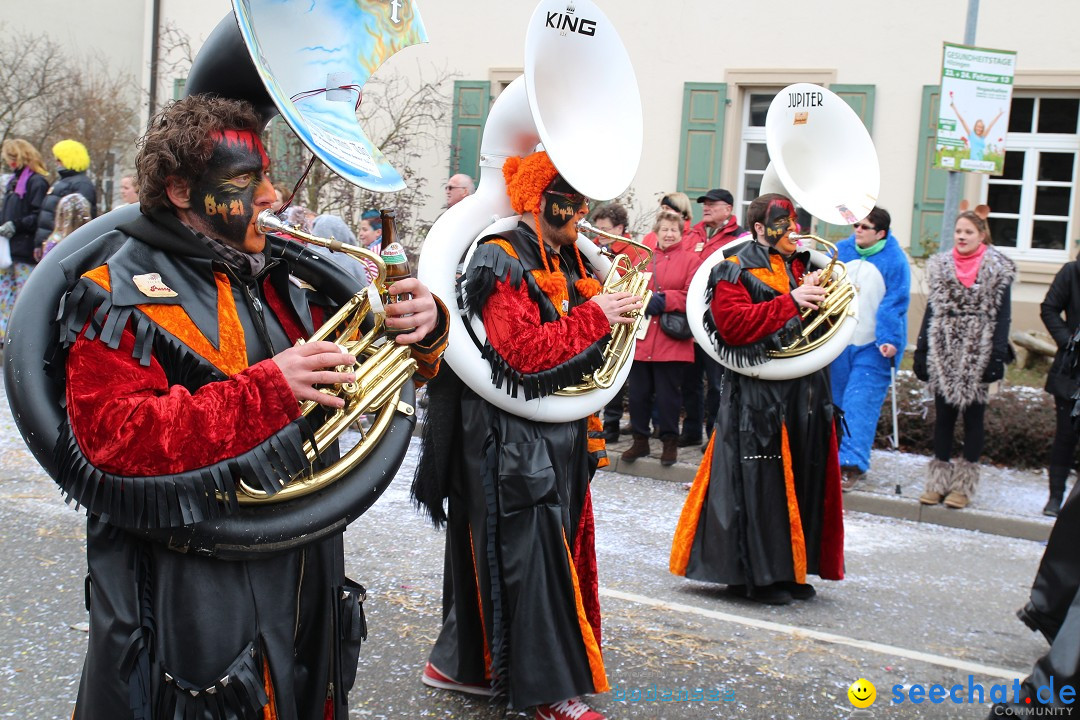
(963, 347)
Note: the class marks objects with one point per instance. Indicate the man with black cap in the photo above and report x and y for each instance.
(718, 227)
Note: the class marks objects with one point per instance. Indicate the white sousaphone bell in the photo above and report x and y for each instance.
(823, 159)
(596, 151)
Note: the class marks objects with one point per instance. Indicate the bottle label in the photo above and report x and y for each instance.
(394, 254)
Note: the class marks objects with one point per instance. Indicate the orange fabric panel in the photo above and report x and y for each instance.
(686, 528)
(596, 443)
(775, 276)
(230, 358)
(270, 709)
(480, 607)
(505, 245)
(592, 649)
(798, 541)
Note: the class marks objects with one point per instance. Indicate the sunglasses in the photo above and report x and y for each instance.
(448, 188)
(864, 226)
(576, 199)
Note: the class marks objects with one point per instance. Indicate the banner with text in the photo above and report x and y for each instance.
(973, 117)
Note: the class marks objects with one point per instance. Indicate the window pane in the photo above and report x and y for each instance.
(1052, 201)
(1003, 231)
(1058, 115)
(1020, 114)
(1014, 165)
(759, 106)
(757, 156)
(1048, 235)
(1056, 166)
(1003, 198)
(751, 186)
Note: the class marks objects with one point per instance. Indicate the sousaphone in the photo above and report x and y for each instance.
(308, 62)
(593, 135)
(823, 159)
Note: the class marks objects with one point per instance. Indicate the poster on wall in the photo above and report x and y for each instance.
(973, 117)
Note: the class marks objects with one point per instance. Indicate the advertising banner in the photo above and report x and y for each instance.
(973, 117)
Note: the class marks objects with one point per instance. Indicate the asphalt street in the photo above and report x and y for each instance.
(921, 604)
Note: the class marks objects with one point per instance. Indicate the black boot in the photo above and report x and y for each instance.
(611, 431)
(1058, 475)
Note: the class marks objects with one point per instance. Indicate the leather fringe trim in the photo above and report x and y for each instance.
(490, 263)
(545, 382)
(754, 353)
(439, 447)
(499, 669)
(185, 498)
(238, 694)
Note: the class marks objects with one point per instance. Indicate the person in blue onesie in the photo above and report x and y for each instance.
(861, 374)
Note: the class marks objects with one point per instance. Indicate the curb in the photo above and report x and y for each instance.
(899, 507)
(902, 508)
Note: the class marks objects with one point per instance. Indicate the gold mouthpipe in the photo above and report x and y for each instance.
(269, 222)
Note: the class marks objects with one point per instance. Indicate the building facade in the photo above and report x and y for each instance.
(707, 72)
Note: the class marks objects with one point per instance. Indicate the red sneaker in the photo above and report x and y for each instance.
(572, 709)
(434, 678)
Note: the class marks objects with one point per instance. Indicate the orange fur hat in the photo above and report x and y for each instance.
(526, 179)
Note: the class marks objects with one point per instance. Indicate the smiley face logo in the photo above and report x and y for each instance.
(862, 693)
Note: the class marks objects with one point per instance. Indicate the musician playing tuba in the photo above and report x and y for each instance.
(181, 336)
(764, 510)
(520, 526)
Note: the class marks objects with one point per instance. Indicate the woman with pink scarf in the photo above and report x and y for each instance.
(19, 219)
(963, 347)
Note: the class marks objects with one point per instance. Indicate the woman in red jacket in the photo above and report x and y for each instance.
(661, 360)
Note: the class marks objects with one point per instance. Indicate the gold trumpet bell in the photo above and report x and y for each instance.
(383, 368)
(821, 324)
(625, 275)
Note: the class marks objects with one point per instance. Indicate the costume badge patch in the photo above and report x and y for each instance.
(151, 285)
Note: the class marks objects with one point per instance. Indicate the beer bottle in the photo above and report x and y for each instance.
(397, 263)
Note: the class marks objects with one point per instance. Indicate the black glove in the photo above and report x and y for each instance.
(656, 305)
(919, 367)
(995, 369)
(7, 229)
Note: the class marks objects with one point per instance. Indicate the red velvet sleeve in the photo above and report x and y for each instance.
(741, 321)
(129, 421)
(512, 323)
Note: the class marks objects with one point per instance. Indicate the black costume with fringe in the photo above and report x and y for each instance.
(517, 493)
(177, 636)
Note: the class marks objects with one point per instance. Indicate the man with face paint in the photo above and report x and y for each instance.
(765, 508)
(184, 374)
(521, 608)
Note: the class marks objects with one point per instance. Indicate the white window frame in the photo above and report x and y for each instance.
(748, 135)
(1032, 144)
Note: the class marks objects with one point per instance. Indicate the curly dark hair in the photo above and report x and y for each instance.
(614, 213)
(179, 142)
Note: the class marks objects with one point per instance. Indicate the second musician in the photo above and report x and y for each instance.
(765, 509)
(522, 615)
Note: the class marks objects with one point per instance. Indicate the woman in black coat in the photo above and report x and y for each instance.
(72, 160)
(19, 218)
(1062, 297)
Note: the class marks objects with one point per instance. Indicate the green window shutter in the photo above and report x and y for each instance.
(702, 139)
(178, 85)
(929, 182)
(861, 99)
(472, 99)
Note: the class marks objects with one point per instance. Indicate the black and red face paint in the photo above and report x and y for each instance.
(779, 217)
(225, 194)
